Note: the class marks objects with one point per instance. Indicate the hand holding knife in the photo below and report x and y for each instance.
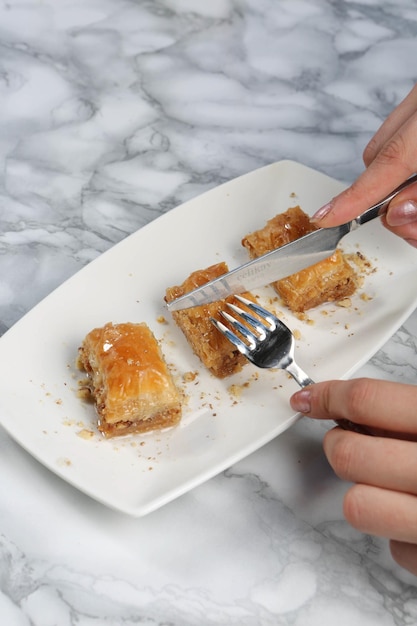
(283, 261)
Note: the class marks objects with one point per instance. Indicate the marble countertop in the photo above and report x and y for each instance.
(113, 112)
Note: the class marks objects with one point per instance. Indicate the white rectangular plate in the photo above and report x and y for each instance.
(221, 424)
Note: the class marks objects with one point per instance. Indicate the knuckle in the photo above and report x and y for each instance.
(393, 151)
(343, 457)
(352, 507)
(325, 399)
(358, 398)
(371, 150)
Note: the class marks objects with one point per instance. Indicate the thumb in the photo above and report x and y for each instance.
(378, 404)
(402, 212)
(401, 219)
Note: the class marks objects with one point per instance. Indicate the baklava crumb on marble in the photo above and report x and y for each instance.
(216, 352)
(128, 379)
(332, 279)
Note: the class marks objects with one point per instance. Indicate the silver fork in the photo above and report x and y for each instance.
(270, 344)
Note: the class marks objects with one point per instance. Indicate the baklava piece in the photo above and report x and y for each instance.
(329, 280)
(281, 229)
(213, 349)
(128, 379)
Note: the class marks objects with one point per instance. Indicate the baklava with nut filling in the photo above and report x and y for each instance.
(128, 379)
(216, 352)
(329, 280)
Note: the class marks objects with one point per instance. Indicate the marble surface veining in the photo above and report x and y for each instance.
(113, 112)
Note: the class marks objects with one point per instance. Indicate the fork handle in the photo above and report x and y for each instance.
(299, 375)
(303, 380)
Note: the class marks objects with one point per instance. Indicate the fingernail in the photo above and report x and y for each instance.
(301, 401)
(322, 212)
(403, 213)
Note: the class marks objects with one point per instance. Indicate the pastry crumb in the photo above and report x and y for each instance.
(345, 303)
(84, 392)
(236, 390)
(189, 377)
(64, 462)
(85, 433)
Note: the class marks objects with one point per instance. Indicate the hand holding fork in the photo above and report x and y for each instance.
(267, 342)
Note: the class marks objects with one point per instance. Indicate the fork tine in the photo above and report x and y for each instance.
(234, 339)
(259, 310)
(243, 330)
(249, 319)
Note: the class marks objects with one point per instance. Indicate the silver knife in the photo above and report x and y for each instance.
(284, 261)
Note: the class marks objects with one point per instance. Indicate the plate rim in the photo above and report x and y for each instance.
(152, 505)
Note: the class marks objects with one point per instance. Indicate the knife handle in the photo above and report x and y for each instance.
(381, 207)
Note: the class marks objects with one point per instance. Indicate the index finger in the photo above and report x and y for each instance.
(383, 405)
(391, 125)
(394, 163)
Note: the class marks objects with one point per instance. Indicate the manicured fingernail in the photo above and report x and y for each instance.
(403, 213)
(301, 401)
(322, 212)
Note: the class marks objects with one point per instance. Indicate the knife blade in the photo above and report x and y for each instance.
(283, 261)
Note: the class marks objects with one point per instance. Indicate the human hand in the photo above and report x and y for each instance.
(390, 158)
(383, 501)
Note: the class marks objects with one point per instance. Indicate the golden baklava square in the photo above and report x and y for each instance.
(128, 379)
